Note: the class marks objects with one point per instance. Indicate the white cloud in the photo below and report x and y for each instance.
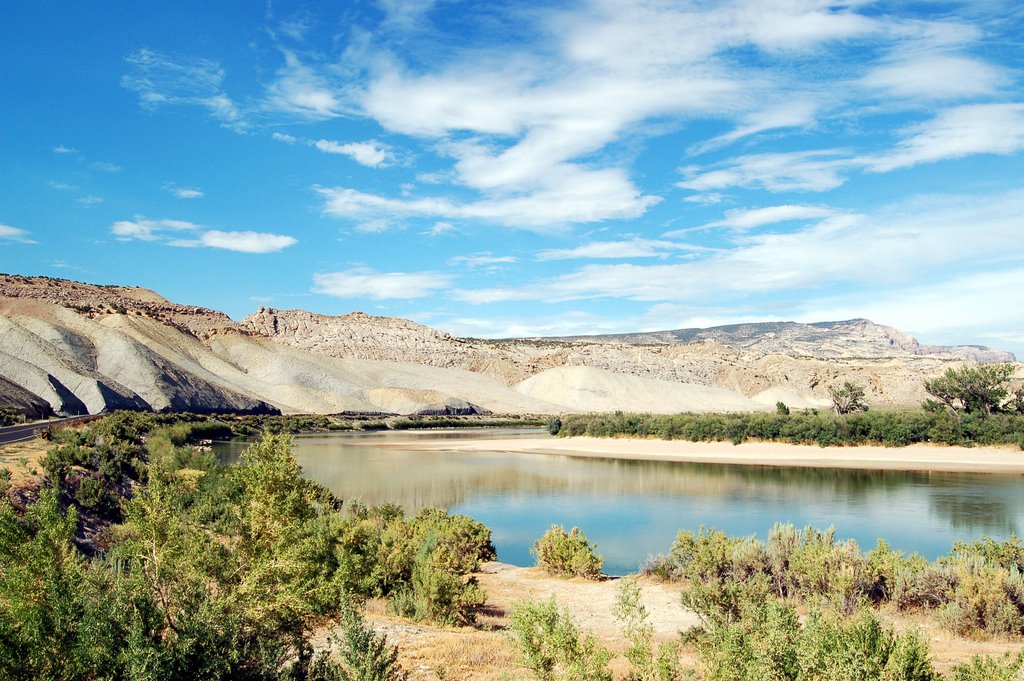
(282, 137)
(952, 133)
(607, 196)
(405, 14)
(483, 260)
(302, 91)
(61, 149)
(243, 242)
(62, 186)
(89, 200)
(364, 282)
(159, 230)
(634, 248)
(955, 133)
(373, 226)
(8, 233)
(148, 230)
(440, 228)
(934, 76)
(107, 167)
(742, 220)
(790, 114)
(371, 153)
(778, 172)
(188, 193)
(895, 247)
(709, 199)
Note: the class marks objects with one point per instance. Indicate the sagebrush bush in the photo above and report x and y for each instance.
(567, 554)
(550, 646)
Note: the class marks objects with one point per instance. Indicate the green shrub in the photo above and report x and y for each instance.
(1006, 668)
(646, 662)
(550, 646)
(363, 655)
(436, 594)
(567, 554)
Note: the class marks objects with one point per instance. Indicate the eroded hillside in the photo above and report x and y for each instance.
(85, 348)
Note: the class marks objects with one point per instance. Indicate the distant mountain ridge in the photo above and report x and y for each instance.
(849, 338)
(73, 347)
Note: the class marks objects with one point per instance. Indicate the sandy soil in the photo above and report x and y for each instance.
(912, 458)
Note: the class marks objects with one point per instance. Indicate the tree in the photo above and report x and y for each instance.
(847, 399)
(981, 388)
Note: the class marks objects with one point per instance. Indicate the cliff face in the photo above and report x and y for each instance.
(76, 348)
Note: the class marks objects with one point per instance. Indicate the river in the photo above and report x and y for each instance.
(633, 509)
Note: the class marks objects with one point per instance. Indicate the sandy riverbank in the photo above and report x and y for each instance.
(912, 458)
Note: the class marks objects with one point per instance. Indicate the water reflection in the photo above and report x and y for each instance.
(633, 508)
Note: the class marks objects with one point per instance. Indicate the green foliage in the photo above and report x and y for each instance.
(781, 409)
(567, 554)
(364, 655)
(977, 587)
(647, 664)
(436, 592)
(891, 428)
(756, 637)
(972, 389)
(11, 417)
(554, 424)
(550, 646)
(847, 399)
(1007, 668)
(55, 622)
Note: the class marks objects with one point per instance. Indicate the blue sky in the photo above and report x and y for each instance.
(497, 169)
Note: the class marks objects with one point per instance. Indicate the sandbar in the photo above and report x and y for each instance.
(919, 457)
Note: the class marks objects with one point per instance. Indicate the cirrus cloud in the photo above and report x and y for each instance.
(365, 282)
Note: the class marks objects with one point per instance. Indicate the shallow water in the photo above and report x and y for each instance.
(633, 509)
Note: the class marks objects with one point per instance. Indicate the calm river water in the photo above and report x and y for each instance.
(633, 509)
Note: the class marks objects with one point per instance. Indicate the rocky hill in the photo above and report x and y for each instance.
(850, 338)
(76, 348)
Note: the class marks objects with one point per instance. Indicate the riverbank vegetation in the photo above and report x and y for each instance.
(827, 429)
(972, 405)
(141, 556)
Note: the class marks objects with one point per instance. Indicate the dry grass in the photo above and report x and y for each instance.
(22, 460)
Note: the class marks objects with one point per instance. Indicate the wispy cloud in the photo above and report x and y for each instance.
(363, 282)
(934, 76)
(164, 80)
(894, 247)
(166, 231)
(633, 248)
(21, 236)
(106, 167)
(184, 192)
(486, 260)
(955, 133)
(61, 149)
(745, 219)
(148, 230)
(301, 90)
(371, 153)
(89, 200)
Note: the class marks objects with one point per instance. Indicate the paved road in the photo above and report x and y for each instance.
(28, 431)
